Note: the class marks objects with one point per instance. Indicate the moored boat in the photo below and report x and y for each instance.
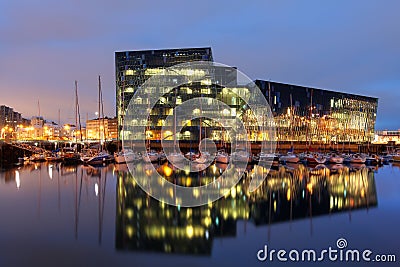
(150, 156)
(268, 158)
(396, 157)
(241, 156)
(356, 159)
(222, 157)
(175, 157)
(290, 158)
(125, 157)
(204, 158)
(100, 158)
(191, 155)
(335, 159)
(373, 160)
(37, 158)
(315, 158)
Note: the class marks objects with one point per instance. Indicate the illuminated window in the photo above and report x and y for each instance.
(206, 82)
(233, 100)
(205, 91)
(138, 100)
(129, 72)
(129, 90)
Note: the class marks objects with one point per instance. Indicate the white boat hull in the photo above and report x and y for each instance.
(150, 158)
(176, 158)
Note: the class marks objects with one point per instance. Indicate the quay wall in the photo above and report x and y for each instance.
(285, 147)
(9, 154)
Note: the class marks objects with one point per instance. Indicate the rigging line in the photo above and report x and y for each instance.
(102, 109)
(78, 113)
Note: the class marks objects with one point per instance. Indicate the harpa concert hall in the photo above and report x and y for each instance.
(300, 113)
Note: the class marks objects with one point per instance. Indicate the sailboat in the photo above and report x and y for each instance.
(125, 156)
(315, 158)
(175, 157)
(204, 156)
(222, 156)
(100, 157)
(70, 155)
(335, 159)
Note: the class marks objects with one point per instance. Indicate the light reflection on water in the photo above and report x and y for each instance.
(288, 193)
(102, 211)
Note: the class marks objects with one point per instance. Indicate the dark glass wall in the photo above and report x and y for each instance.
(317, 115)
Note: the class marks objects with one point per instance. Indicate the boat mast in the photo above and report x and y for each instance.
(308, 129)
(272, 110)
(291, 120)
(77, 113)
(102, 114)
(38, 103)
(174, 110)
(98, 113)
(148, 146)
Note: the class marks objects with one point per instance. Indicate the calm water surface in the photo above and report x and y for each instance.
(54, 215)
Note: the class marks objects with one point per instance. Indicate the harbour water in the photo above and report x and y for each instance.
(55, 215)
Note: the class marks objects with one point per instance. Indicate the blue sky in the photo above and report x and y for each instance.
(350, 46)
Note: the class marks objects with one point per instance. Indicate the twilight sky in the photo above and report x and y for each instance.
(350, 46)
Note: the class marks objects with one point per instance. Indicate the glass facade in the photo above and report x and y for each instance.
(133, 68)
(204, 82)
(316, 115)
(300, 113)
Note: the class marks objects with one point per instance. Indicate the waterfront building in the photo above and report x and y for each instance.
(9, 117)
(37, 123)
(301, 114)
(133, 68)
(51, 131)
(9, 120)
(101, 129)
(387, 137)
(318, 115)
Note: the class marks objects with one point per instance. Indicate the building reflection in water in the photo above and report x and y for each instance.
(288, 193)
